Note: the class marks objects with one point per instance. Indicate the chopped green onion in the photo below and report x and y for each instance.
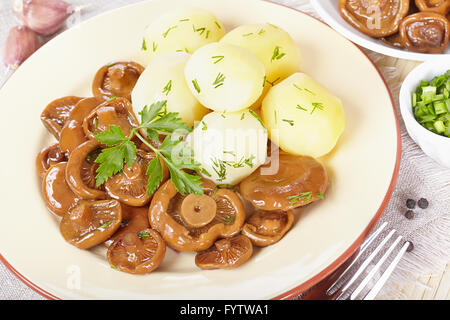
(431, 104)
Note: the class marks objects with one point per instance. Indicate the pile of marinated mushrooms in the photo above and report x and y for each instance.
(419, 26)
(136, 227)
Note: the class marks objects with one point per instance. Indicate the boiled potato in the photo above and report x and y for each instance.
(273, 46)
(182, 30)
(225, 77)
(302, 116)
(229, 146)
(163, 79)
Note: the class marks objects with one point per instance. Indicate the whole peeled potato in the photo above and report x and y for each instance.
(229, 146)
(181, 30)
(302, 116)
(225, 77)
(163, 79)
(273, 46)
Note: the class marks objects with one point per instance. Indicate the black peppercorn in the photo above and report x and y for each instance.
(422, 203)
(410, 203)
(410, 247)
(409, 214)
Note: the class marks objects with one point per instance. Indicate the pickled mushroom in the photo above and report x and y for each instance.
(81, 171)
(264, 228)
(425, 32)
(118, 112)
(90, 223)
(226, 253)
(130, 186)
(133, 220)
(376, 18)
(48, 157)
(173, 215)
(72, 134)
(58, 196)
(117, 79)
(56, 113)
(137, 252)
(437, 6)
(298, 181)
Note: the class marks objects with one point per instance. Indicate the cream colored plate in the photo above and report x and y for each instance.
(361, 167)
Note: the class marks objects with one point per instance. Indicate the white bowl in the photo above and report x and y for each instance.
(435, 146)
(329, 12)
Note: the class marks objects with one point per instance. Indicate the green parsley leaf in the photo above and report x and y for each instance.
(111, 137)
(112, 160)
(175, 152)
(155, 173)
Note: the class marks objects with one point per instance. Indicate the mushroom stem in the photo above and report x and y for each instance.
(81, 215)
(198, 210)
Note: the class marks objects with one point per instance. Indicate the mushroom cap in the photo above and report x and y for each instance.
(299, 181)
(130, 185)
(48, 157)
(264, 228)
(56, 113)
(58, 196)
(165, 216)
(137, 252)
(117, 79)
(81, 171)
(134, 219)
(360, 14)
(72, 134)
(437, 6)
(425, 32)
(90, 223)
(118, 112)
(226, 253)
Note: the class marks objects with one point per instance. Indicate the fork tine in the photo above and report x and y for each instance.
(380, 283)
(344, 295)
(343, 277)
(372, 272)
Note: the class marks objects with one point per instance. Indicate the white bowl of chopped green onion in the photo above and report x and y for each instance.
(425, 108)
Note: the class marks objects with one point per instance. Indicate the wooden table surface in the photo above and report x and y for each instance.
(436, 287)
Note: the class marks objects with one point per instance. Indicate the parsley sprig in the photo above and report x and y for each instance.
(174, 152)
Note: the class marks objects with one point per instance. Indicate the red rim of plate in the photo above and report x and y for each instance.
(341, 259)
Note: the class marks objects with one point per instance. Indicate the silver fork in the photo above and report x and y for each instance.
(351, 283)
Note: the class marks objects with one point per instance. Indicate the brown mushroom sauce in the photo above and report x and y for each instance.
(413, 25)
(118, 214)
